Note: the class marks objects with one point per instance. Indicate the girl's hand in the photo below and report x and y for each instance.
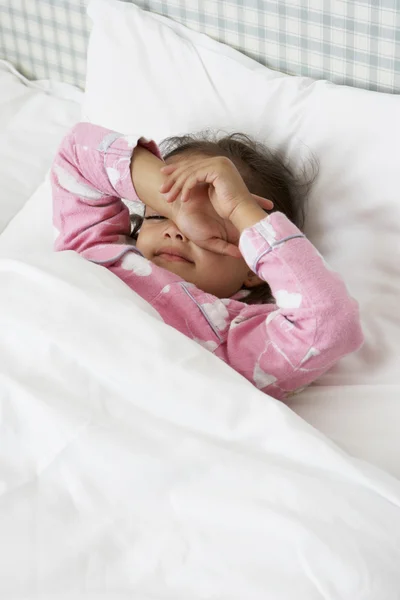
(226, 188)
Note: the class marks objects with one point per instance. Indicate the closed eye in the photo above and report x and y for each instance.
(154, 217)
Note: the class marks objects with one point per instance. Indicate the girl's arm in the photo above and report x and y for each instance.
(91, 172)
(93, 169)
(314, 323)
(284, 346)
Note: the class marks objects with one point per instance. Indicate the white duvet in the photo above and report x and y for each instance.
(135, 464)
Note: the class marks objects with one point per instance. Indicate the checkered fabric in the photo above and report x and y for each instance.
(353, 42)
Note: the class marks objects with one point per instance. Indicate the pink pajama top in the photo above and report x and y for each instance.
(279, 347)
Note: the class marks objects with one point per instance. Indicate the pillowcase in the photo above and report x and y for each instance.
(147, 72)
(34, 116)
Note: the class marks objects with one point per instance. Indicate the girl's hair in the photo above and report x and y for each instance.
(264, 171)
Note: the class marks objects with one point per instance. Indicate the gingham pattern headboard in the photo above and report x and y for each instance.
(356, 42)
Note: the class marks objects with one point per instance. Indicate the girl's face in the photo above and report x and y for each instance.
(161, 241)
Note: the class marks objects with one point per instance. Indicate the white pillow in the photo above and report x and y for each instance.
(145, 71)
(34, 116)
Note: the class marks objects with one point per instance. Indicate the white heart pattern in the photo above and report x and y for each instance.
(312, 352)
(113, 175)
(271, 316)
(285, 299)
(69, 183)
(217, 313)
(139, 265)
(207, 344)
(261, 378)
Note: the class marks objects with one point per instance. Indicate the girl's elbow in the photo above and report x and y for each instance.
(350, 327)
(339, 330)
(357, 337)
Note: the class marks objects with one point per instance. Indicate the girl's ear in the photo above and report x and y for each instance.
(252, 280)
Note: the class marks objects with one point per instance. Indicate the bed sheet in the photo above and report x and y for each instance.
(134, 463)
(362, 419)
(34, 116)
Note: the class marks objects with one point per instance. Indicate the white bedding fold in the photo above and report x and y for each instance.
(132, 460)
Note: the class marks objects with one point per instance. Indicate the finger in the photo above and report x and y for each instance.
(181, 161)
(179, 165)
(170, 180)
(171, 173)
(266, 204)
(219, 246)
(179, 175)
(263, 202)
(175, 189)
(191, 182)
(169, 168)
(167, 185)
(185, 182)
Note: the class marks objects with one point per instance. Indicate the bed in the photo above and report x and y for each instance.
(141, 466)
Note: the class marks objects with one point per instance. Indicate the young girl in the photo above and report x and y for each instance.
(247, 286)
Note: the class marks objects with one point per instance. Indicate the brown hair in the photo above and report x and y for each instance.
(264, 171)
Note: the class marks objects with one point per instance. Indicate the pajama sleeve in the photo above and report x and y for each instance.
(89, 176)
(315, 322)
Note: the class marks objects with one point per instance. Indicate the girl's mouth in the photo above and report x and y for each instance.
(173, 255)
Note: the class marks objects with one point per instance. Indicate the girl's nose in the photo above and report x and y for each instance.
(173, 233)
